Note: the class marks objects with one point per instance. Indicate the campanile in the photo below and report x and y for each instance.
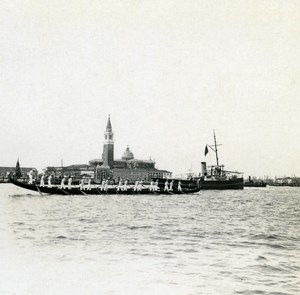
(108, 146)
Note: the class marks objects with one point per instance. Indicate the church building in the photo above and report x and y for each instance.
(125, 168)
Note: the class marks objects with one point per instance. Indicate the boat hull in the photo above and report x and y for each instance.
(228, 184)
(254, 184)
(216, 184)
(96, 190)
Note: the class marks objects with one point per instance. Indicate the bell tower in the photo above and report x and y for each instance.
(108, 146)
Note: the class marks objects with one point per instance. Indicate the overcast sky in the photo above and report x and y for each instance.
(168, 72)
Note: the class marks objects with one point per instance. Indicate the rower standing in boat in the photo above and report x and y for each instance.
(31, 177)
(156, 187)
(171, 185)
(42, 182)
(62, 185)
(151, 187)
(49, 181)
(166, 185)
(179, 186)
(125, 185)
(81, 183)
(70, 182)
(89, 187)
(119, 185)
(102, 185)
(140, 186)
(106, 185)
(136, 185)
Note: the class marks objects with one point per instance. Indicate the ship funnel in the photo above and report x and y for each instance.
(203, 168)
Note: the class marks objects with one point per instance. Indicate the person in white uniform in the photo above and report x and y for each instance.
(156, 188)
(62, 185)
(179, 186)
(151, 187)
(31, 177)
(50, 180)
(42, 182)
(81, 183)
(136, 185)
(125, 185)
(119, 185)
(70, 182)
(171, 185)
(140, 186)
(166, 186)
(89, 187)
(102, 185)
(106, 185)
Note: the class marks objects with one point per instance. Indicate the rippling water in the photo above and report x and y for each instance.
(214, 242)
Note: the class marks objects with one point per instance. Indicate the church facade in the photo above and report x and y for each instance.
(125, 168)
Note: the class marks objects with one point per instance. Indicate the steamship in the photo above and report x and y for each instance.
(215, 177)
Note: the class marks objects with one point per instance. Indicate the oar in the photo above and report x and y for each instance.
(97, 190)
(116, 188)
(64, 191)
(81, 191)
(39, 190)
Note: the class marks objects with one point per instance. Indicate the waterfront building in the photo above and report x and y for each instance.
(125, 168)
(76, 171)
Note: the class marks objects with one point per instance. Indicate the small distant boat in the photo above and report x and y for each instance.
(254, 183)
(112, 190)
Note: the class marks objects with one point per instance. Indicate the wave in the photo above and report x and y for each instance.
(253, 292)
(139, 227)
(18, 223)
(266, 237)
(249, 244)
(269, 268)
(261, 258)
(23, 195)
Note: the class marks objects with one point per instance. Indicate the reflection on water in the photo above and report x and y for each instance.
(214, 242)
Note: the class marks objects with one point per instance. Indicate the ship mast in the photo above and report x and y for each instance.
(216, 149)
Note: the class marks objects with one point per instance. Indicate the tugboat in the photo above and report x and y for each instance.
(216, 177)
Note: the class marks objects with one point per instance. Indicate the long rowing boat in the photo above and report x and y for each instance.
(95, 190)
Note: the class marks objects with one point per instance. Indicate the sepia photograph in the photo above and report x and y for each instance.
(150, 147)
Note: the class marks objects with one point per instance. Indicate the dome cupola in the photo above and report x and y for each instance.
(127, 155)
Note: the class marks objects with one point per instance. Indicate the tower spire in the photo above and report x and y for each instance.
(108, 146)
(108, 126)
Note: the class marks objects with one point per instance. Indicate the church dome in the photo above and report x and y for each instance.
(127, 155)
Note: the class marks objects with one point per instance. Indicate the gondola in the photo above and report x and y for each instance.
(95, 190)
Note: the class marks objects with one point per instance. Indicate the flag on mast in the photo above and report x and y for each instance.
(206, 151)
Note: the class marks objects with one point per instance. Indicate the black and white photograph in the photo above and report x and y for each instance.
(150, 147)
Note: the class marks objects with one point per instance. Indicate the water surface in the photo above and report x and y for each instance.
(213, 242)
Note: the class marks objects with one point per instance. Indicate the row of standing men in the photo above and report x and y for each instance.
(63, 182)
(138, 185)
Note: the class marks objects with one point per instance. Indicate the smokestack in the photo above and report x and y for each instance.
(203, 168)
